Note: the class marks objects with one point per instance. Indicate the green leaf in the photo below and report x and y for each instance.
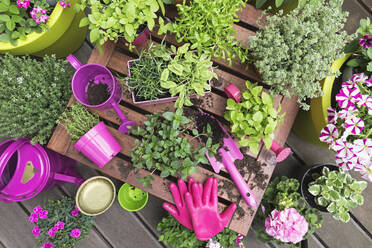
(314, 190)
(10, 25)
(3, 7)
(168, 116)
(4, 37)
(164, 75)
(369, 66)
(164, 173)
(230, 104)
(4, 18)
(14, 9)
(278, 3)
(94, 35)
(266, 99)
(84, 22)
(257, 117)
(183, 49)
(352, 47)
(260, 3)
(369, 53)
(335, 196)
(129, 29)
(344, 216)
(168, 84)
(322, 201)
(268, 141)
(354, 62)
(332, 207)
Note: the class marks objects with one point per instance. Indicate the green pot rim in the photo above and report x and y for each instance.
(122, 191)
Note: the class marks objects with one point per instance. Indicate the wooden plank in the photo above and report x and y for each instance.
(103, 59)
(368, 4)
(250, 15)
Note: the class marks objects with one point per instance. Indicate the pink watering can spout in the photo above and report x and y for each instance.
(96, 73)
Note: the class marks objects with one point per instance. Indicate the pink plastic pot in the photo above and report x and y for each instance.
(98, 145)
(140, 39)
(26, 170)
(233, 92)
(157, 101)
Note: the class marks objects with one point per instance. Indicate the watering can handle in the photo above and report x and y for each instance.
(74, 61)
(69, 179)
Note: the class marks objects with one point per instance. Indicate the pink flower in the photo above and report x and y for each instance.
(346, 164)
(52, 232)
(363, 148)
(358, 78)
(366, 41)
(75, 233)
(328, 134)
(43, 214)
(332, 115)
(23, 3)
(33, 218)
(39, 15)
(347, 96)
(364, 100)
(37, 209)
(36, 231)
(365, 170)
(368, 82)
(343, 149)
(347, 112)
(287, 225)
(354, 125)
(60, 225)
(47, 245)
(75, 212)
(64, 4)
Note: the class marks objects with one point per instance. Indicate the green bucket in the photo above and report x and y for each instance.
(131, 198)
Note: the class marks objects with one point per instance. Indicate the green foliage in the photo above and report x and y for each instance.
(362, 57)
(16, 23)
(146, 181)
(295, 51)
(112, 20)
(163, 146)
(60, 210)
(338, 192)
(254, 118)
(279, 3)
(208, 25)
(33, 94)
(283, 193)
(177, 236)
(77, 121)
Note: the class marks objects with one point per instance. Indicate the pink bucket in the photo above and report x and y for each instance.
(140, 39)
(26, 170)
(98, 145)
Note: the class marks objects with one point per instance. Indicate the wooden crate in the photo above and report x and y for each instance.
(257, 172)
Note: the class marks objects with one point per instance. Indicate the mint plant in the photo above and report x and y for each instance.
(77, 121)
(295, 51)
(254, 118)
(33, 94)
(338, 192)
(208, 26)
(163, 146)
(278, 3)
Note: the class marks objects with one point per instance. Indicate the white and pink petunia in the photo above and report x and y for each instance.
(328, 134)
(365, 170)
(354, 125)
(343, 149)
(332, 115)
(369, 82)
(363, 148)
(347, 112)
(347, 96)
(344, 163)
(364, 100)
(358, 78)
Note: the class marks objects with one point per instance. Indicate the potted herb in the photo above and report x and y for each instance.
(280, 202)
(113, 20)
(169, 74)
(302, 46)
(90, 136)
(274, 6)
(208, 26)
(176, 235)
(59, 224)
(35, 27)
(164, 146)
(330, 189)
(254, 118)
(30, 103)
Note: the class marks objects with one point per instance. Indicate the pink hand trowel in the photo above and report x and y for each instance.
(229, 155)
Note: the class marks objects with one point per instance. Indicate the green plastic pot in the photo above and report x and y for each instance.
(63, 37)
(308, 124)
(131, 198)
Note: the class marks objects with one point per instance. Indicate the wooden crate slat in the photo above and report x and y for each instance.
(250, 15)
(103, 59)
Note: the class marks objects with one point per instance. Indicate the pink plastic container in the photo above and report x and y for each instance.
(233, 92)
(140, 39)
(157, 101)
(98, 145)
(26, 170)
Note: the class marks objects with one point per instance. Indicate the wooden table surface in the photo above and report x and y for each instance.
(115, 57)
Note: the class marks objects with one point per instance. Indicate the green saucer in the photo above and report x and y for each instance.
(131, 198)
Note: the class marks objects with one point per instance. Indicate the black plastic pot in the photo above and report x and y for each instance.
(307, 178)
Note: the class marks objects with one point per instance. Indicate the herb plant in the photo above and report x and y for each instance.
(112, 20)
(177, 236)
(208, 25)
(60, 224)
(282, 194)
(164, 146)
(338, 192)
(77, 121)
(295, 51)
(33, 94)
(278, 3)
(254, 118)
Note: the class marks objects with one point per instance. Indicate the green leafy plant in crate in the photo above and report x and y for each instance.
(254, 118)
(338, 192)
(33, 94)
(294, 52)
(164, 146)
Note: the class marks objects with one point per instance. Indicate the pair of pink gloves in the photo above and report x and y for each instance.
(197, 207)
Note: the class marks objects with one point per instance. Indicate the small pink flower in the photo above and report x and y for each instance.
(368, 82)
(74, 212)
(365, 170)
(52, 232)
(33, 218)
(64, 4)
(354, 125)
(39, 15)
(347, 97)
(23, 3)
(37, 209)
(75, 233)
(347, 113)
(343, 149)
(328, 134)
(364, 100)
(47, 245)
(346, 164)
(60, 225)
(363, 148)
(36, 231)
(358, 78)
(332, 115)
(43, 214)
(366, 41)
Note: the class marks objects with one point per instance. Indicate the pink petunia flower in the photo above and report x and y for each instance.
(347, 97)
(332, 115)
(51, 232)
(368, 82)
(59, 225)
(75, 233)
(328, 134)
(361, 77)
(354, 125)
(43, 214)
(74, 212)
(364, 100)
(346, 164)
(23, 3)
(33, 217)
(64, 4)
(347, 112)
(36, 231)
(365, 170)
(363, 148)
(37, 209)
(47, 245)
(343, 149)
(366, 41)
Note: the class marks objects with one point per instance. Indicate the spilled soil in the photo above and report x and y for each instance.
(97, 93)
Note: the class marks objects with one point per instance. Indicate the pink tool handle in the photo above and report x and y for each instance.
(118, 111)
(69, 179)
(239, 181)
(74, 61)
(233, 92)
(281, 152)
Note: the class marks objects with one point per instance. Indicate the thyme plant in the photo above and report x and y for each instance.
(33, 94)
(295, 51)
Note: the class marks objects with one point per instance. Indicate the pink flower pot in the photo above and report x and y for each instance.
(140, 39)
(233, 92)
(98, 145)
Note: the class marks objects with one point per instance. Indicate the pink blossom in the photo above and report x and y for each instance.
(332, 115)
(36, 231)
(60, 225)
(328, 134)
(363, 148)
(343, 149)
(366, 41)
(346, 164)
(75, 233)
(23, 3)
(47, 245)
(358, 78)
(365, 170)
(52, 232)
(347, 97)
(43, 214)
(64, 4)
(37, 209)
(287, 225)
(354, 125)
(368, 82)
(364, 100)
(33, 218)
(74, 212)
(39, 15)
(347, 112)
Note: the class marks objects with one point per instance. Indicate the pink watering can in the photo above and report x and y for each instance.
(26, 170)
(84, 75)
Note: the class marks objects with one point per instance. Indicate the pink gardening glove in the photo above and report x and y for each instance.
(203, 209)
(180, 211)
